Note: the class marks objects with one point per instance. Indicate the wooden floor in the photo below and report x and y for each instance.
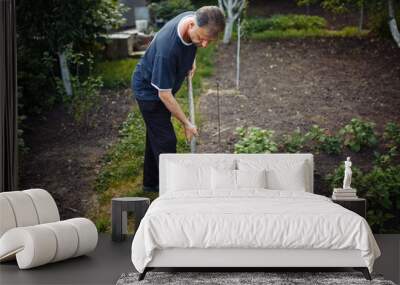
(103, 266)
(110, 259)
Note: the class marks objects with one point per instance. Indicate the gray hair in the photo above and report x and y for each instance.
(212, 18)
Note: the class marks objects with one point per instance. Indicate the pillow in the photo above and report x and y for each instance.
(281, 174)
(251, 178)
(185, 174)
(183, 177)
(223, 179)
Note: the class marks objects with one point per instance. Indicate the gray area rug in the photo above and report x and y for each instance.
(232, 278)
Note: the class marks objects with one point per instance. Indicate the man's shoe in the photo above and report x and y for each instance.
(150, 189)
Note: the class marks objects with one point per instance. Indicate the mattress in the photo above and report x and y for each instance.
(252, 219)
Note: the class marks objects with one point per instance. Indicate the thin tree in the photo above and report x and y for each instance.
(232, 9)
(361, 19)
(393, 24)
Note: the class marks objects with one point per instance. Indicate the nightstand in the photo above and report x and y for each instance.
(357, 205)
(119, 214)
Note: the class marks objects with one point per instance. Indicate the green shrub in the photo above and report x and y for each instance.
(324, 140)
(387, 158)
(294, 142)
(85, 98)
(255, 140)
(167, 10)
(381, 188)
(116, 73)
(392, 134)
(359, 134)
(102, 224)
(283, 23)
(36, 81)
(313, 33)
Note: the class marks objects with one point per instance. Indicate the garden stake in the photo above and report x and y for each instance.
(191, 111)
(219, 120)
(238, 56)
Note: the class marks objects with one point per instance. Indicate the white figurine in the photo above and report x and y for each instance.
(347, 174)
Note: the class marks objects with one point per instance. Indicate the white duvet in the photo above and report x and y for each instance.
(251, 218)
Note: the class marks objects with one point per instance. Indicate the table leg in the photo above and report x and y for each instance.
(116, 221)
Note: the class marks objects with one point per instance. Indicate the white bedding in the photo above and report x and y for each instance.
(252, 218)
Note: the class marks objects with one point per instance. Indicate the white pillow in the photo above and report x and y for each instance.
(195, 174)
(251, 178)
(223, 179)
(183, 177)
(281, 174)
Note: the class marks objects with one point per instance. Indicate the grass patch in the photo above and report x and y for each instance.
(122, 170)
(116, 73)
(282, 34)
(284, 22)
(293, 26)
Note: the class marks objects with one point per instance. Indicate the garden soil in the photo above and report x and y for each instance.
(295, 83)
(65, 158)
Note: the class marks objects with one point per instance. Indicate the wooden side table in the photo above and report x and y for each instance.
(357, 205)
(119, 214)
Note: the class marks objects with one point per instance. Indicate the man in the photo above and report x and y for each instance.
(159, 75)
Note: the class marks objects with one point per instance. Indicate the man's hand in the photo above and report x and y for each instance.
(190, 131)
(173, 106)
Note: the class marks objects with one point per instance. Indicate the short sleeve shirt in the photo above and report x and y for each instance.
(165, 64)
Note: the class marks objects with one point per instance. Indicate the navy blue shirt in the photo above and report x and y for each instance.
(165, 64)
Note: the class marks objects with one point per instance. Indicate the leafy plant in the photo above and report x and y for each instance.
(116, 73)
(324, 140)
(255, 140)
(283, 23)
(391, 137)
(292, 33)
(392, 134)
(85, 99)
(167, 10)
(381, 188)
(359, 134)
(102, 224)
(386, 159)
(294, 142)
(51, 26)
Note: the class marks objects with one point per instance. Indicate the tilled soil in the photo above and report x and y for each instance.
(65, 158)
(285, 84)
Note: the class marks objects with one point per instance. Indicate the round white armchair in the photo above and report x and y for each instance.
(31, 231)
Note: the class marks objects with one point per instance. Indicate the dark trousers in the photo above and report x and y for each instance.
(160, 138)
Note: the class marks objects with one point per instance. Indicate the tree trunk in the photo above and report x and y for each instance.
(393, 24)
(361, 20)
(65, 74)
(232, 9)
(228, 31)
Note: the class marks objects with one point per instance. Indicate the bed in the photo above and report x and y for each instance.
(247, 210)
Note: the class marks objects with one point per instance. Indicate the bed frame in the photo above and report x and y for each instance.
(245, 258)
